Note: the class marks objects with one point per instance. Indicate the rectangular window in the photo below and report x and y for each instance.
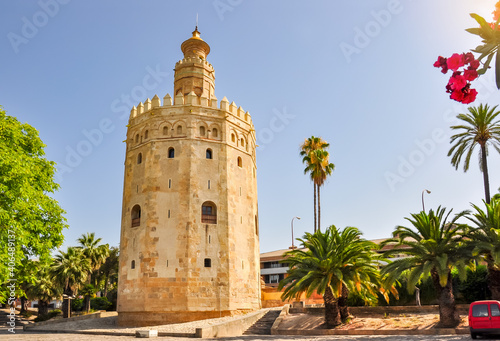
(169, 213)
(208, 263)
(494, 310)
(169, 183)
(274, 278)
(208, 184)
(480, 310)
(167, 263)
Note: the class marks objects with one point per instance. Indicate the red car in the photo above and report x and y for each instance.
(484, 318)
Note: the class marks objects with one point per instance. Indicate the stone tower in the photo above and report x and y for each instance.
(189, 245)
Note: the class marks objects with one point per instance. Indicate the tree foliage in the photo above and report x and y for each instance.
(31, 220)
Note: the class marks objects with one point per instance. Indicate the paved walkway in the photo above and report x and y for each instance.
(37, 336)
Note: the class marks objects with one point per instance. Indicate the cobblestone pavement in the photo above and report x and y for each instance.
(82, 337)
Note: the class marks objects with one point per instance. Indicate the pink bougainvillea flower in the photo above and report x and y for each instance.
(470, 75)
(469, 96)
(474, 64)
(457, 95)
(457, 81)
(441, 62)
(468, 57)
(455, 61)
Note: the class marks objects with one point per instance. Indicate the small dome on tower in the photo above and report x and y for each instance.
(195, 46)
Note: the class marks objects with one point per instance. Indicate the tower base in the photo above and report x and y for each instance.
(156, 318)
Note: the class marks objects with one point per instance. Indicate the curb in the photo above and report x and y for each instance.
(284, 311)
(61, 320)
(230, 328)
(320, 332)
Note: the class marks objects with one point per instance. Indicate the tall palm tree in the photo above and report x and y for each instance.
(328, 263)
(481, 127)
(70, 270)
(109, 269)
(485, 238)
(433, 247)
(315, 156)
(93, 251)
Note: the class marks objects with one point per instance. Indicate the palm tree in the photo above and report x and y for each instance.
(44, 288)
(481, 127)
(315, 156)
(432, 249)
(96, 254)
(329, 263)
(109, 269)
(485, 238)
(70, 270)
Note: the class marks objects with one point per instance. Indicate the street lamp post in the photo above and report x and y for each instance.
(292, 230)
(428, 192)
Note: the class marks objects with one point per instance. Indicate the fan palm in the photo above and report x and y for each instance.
(433, 248)
(93, 251)
(44, 289)
(331, 261)
(316, 158)
(485, 238)
(71, 270)
(481, 127)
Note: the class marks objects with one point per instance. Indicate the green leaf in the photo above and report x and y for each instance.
(480, 20)
(475, 30)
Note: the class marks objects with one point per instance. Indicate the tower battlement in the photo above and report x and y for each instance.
(189, 100)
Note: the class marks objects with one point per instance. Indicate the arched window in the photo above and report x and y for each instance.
(137, 138)
(209, 153)
(242, 142)
(215, 132)
(233, 138)
(146, 134)
(136, 216)
(171, 153)
(165, 130)
(179, 130)
(209, 213)
(139, 158)
(132, 264)
(240, 163)
(202, 131)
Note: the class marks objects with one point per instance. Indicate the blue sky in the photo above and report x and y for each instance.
(357, 73)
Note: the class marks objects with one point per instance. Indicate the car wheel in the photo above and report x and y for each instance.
(473, 336)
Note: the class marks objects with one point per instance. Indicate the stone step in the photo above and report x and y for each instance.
(264, 324)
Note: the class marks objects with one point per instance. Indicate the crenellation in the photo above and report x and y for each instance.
(156, 102)
(133, 112)
(179, 99)
(191, 98)
(213, 102)
(224, 104)
(167, 100)
(147, 105)
(240, 111)
(140, 108)
(232, 108)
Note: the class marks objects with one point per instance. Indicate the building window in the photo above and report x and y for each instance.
(179, 130)
(209, 213)
(132, 264)
(208, 263)
(136, 216)
(202, 131)
(169, 183)
(215, 132)
(139, 158)
(146, 134)
(171, 153)
(168, 213)
(242, 142)
(165, 130)
(208, 184)
(240, 163)
(209, 153)
(137, 138)
(233, 138)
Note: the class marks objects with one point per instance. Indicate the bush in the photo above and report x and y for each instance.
(48, 316)
(100, 303)
(77, 304)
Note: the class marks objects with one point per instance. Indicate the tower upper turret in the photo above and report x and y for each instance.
(193, 72)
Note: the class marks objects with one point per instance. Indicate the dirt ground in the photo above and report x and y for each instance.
(392, 321)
